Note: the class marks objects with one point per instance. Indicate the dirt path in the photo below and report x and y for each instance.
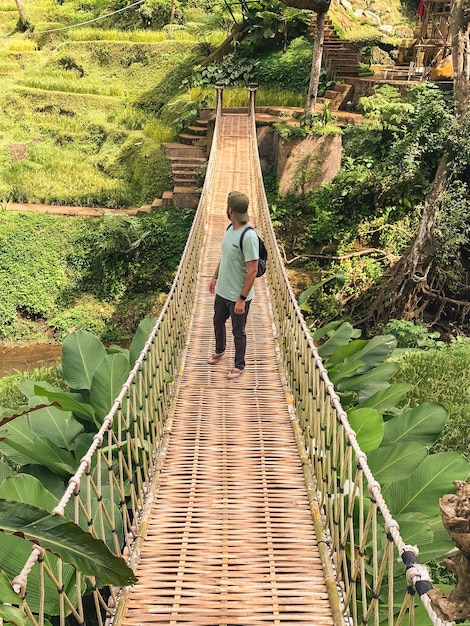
(66, 210)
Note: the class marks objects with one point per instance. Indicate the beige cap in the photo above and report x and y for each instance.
(239, 202)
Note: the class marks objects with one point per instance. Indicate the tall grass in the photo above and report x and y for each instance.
(442, 375)
(276, 96)
(137, 36)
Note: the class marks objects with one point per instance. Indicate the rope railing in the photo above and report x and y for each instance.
(109, 491)
(360, 540)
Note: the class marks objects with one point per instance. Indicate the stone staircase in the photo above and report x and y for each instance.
(188, 157)
(339, 55)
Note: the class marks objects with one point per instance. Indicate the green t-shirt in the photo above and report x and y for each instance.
(232, 270)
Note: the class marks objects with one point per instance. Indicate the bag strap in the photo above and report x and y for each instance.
(242, 235)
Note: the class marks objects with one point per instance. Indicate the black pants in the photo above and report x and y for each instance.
(223, 309)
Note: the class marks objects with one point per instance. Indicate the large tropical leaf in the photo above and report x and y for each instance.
(60, 427)
(140, 338)
(387, 399)
(107, 383)
(82, 352)
(423, 423)
(12, 614)
(368, 426)
(377, 376)
(66, 401)
(344, 370)
(21, 446)
(328, 329)
(390, 463)
(26, 488)
(6, 591)
(345, 352)
(340, 338)
(5, 471)
(63, 537)
(377, 350)
(422, 490)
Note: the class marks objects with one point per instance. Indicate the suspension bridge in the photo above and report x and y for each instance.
(244, 502)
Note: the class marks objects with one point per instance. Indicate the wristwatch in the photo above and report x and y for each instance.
(242, 297)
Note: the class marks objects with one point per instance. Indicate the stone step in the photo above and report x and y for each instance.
(167, 199)
(188, 174)
(204, 123)
(178, 150)
(184, 182)
(144, 210)
(199, 131)
(189, 161)
(186, 168)
(157, 204)
(186, 197)
(192, 140)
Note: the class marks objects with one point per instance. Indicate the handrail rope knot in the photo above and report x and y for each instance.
(20, 581)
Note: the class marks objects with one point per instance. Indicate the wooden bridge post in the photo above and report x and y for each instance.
(252, 99)
(220, 92)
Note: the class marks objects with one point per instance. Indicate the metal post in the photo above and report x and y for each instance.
(252, 97)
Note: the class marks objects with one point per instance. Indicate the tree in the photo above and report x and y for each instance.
(416, 279)
(320, 7)
(22, 13)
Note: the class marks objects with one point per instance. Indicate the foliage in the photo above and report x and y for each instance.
(271, 21)
(413, 335)
(291, 68)
(68, 273)
(397, 442)
(47, 438)
(442, 375)
(232, 70)
(184, 110)
(80, 126)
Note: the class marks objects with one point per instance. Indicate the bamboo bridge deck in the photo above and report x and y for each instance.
(229, 537)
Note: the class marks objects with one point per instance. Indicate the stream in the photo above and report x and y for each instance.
(14, 359)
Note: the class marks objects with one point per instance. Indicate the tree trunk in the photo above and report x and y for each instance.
(321, 9)
(455, 513)
(460, 39)
(316, 64)
(403, 295)
(21, 11)
(172, 12)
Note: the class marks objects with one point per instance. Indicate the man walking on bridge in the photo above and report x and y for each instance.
(233, 280)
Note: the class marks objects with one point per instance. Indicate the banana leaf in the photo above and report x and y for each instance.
(107, 383)
(82, 352)
(387, 399)
(61, 536)
(396, 462)
(432, 479)
(21, 446)
(368, 426)
(140, 338)
(423, 423)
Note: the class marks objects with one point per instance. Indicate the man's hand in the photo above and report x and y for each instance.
(212, 285)
(239, 308)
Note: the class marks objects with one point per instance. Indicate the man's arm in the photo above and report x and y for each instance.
(213, 282)
(251, 271)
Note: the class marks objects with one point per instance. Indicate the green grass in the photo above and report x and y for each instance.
(442, 375)
(10, 395)
(73, 129)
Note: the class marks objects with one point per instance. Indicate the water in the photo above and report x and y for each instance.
(16, 359)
